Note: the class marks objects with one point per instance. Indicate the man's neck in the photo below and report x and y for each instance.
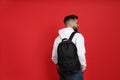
(69, 26)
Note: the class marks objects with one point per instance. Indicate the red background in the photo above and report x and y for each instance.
(28, 30)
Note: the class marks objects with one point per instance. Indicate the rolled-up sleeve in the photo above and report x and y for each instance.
(80, 44)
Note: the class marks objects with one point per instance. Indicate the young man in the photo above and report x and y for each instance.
(71, 23)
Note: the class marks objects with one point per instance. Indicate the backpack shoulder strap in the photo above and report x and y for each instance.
(71, 36)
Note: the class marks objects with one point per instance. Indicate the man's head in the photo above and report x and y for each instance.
(71, 21)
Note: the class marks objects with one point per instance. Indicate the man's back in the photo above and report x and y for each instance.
(78, 40)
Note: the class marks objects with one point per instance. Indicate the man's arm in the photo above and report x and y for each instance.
(81, 50)
(54, 52)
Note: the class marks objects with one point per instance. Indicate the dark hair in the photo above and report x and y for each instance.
(70, 17)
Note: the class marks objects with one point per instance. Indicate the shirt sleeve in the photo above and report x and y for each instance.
(80, 44)
(54, 52)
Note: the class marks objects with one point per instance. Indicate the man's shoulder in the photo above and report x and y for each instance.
(79, 35)
(56, 38)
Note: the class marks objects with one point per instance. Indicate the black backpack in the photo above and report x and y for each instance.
(68, 62)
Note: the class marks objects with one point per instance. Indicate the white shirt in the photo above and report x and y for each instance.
(78, 40)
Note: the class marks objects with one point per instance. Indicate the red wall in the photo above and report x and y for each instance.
(28, 29)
